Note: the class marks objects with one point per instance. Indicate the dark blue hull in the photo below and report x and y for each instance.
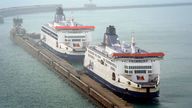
(123, 93)
(70, 58)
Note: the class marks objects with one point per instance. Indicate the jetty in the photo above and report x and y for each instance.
(94, 7)
(12, 11)
(77, 79)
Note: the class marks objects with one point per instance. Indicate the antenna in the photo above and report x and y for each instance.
(133, 38)
(72, 15)
(133, 43)
(72, 19)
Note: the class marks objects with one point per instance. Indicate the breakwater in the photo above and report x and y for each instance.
(80, 81)
(128, 6)
(12, 11)
(6, 12)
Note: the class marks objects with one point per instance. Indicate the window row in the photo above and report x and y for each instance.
(138, 67)
(49, 33)
(137, 71)
(104, 61)
(138, 61)
(74, 40)
(74, 36)
(111, 63)
(140, 71)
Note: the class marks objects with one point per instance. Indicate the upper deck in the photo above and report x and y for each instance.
(112, 47)
(117, 53)
(62, 24)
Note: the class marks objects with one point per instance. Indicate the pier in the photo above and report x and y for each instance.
(12, 11)
(94, 7)
(6, 12)
(77, 79)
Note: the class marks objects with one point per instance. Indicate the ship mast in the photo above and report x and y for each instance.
(133, 43)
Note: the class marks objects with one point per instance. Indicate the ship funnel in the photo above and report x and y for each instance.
(133, 43)
(17, 22)
(111, 30)
(59, 16)
(110, 37)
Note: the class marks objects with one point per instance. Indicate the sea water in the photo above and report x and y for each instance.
(24, 82)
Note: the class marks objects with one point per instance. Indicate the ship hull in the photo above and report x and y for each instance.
(123, 93)
(68, 57)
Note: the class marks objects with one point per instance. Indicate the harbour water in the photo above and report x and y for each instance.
(26, 83)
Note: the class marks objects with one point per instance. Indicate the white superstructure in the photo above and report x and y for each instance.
(67, 38)
(124, 68)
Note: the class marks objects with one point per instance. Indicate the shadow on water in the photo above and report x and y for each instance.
(154, 101)
(78, 66)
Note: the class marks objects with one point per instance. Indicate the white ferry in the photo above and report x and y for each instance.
(124, 68)
(65, 37)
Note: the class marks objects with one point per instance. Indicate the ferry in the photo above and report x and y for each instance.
(125, 69)
(66, 38)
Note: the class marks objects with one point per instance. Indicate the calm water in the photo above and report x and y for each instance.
(24, 82)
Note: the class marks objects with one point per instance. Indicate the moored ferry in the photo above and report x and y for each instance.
(125, 69)
(65, 37)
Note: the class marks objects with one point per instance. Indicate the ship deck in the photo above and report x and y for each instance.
(143, 84)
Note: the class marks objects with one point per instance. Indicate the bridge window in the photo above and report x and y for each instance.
(140, 71)
(140, 67)
(126, 67)
(74, 36)
(76, 39)
(138, 61)
(130, 72)
(67, 40)
(149, 71)
(126, 71)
